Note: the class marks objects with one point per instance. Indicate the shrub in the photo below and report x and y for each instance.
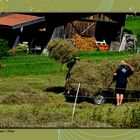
(19, 50)
(4, 47)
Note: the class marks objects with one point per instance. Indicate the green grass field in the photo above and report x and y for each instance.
(31, 94)
(132, 24)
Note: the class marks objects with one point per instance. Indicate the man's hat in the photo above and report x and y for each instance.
(76, 58)
(123, 63)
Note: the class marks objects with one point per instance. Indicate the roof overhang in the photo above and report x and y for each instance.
(14, 21)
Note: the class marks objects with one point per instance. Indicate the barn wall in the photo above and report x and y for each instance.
(80, 27)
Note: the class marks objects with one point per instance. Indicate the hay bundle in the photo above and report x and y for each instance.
(134, 81)
(95, 78)
(85, 73)
(61, 50)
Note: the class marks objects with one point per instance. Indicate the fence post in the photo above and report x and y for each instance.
(75, 101)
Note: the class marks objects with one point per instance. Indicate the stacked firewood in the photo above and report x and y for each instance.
(84, 43)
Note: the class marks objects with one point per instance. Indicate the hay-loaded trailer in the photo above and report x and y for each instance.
(96, 82)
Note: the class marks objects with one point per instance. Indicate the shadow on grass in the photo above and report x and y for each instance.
(56, 89)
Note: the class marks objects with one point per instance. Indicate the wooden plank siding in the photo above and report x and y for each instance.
(80, 27)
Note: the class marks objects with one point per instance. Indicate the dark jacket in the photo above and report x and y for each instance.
(123, 72)
(70, 64)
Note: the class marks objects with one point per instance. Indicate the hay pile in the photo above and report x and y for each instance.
(61, 50)
(134, 80)
(25, 96)
(85, 73)
(95, 78)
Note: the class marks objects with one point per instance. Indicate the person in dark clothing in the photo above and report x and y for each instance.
(70, 64)
(120, 76)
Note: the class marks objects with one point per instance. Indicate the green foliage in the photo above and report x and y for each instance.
(132, 24)
(138, 40)
(4, 47)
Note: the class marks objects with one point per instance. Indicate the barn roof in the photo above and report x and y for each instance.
(107, 17)
(14, 21)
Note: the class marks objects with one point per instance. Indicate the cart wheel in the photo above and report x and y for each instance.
(99, 99)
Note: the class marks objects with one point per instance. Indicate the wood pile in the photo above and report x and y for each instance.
(85, 43)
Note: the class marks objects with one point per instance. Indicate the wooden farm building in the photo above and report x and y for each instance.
(38, 28)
